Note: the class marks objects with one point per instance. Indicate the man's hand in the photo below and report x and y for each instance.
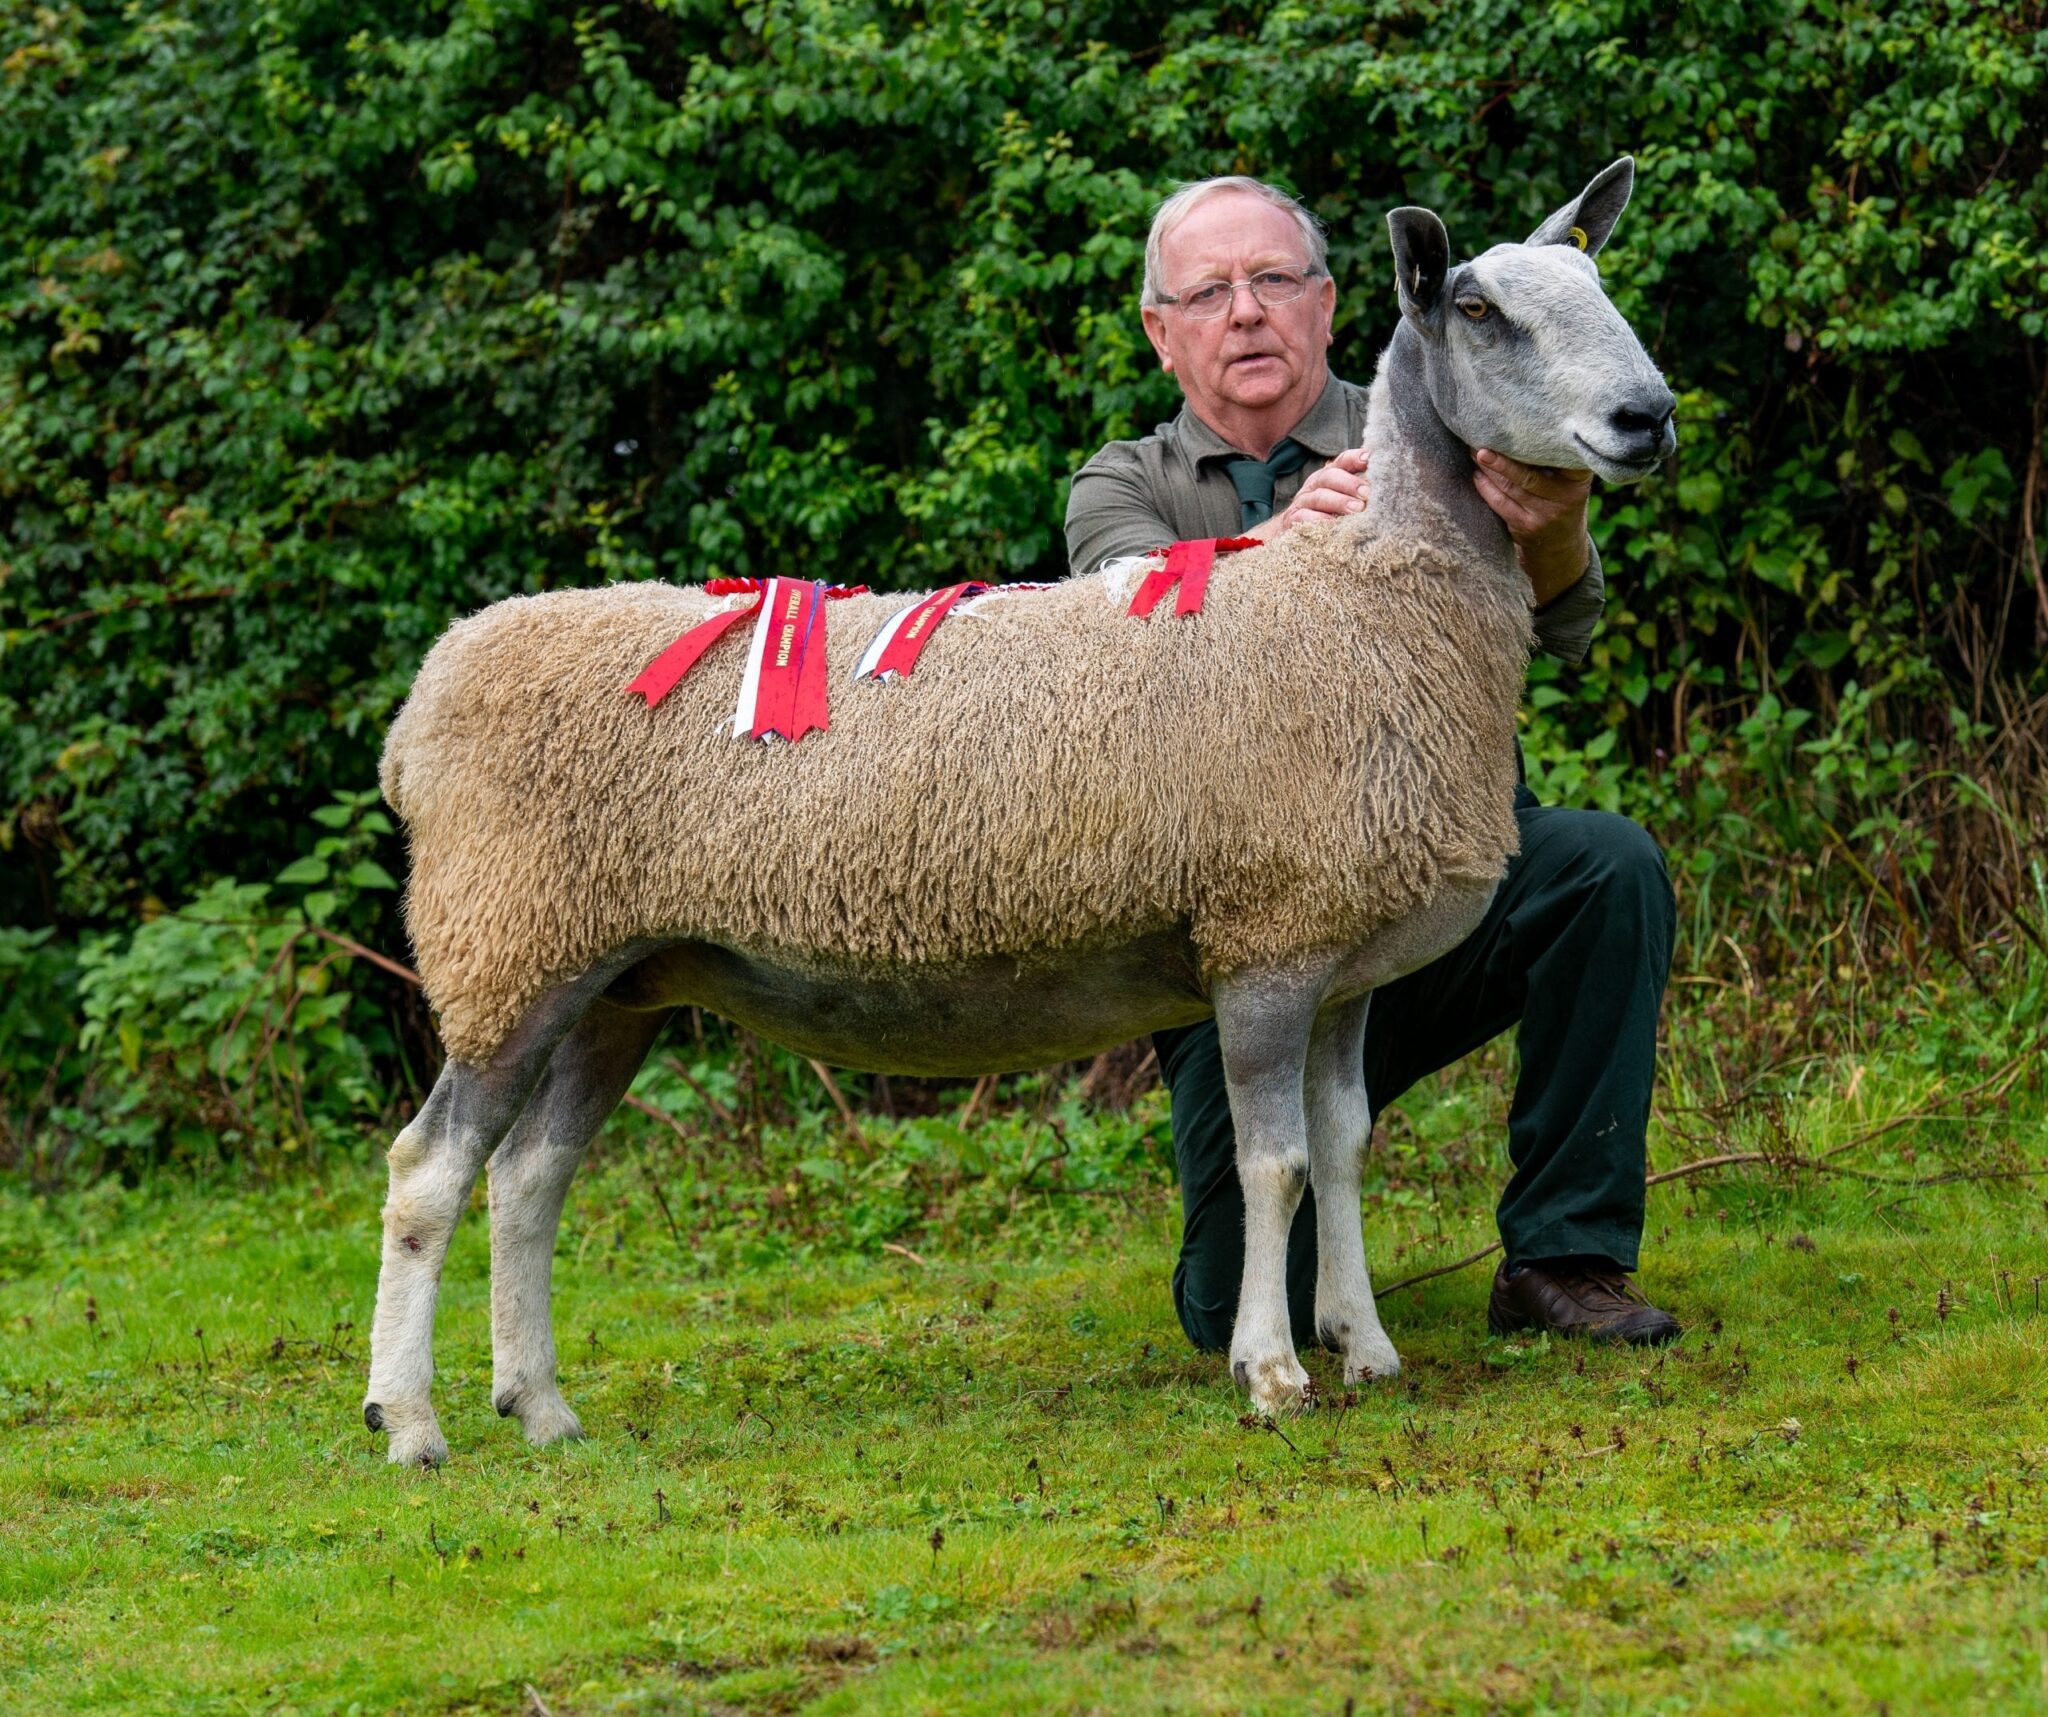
(1544, 509)
(1331, 492)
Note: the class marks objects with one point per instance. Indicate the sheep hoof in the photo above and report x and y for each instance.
(548, 1420)
(1277, 1384)
(415, 1434)
(1372, 1363)
(418, 1446)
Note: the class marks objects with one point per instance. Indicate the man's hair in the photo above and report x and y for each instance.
(1187, 198)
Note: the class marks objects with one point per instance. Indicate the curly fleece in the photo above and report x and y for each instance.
(1313, 756)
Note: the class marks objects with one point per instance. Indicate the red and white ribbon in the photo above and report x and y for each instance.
(783, 689)
(1187, 566)
(894, 650)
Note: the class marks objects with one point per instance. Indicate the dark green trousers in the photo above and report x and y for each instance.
(1575, 950)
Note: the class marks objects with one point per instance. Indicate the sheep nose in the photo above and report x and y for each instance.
(1644, 428)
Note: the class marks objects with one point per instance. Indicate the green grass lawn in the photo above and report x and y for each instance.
(995, 1479)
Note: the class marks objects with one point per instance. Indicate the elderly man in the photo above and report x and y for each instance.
(1576, 947)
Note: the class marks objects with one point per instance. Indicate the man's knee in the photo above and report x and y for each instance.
(1617, 859)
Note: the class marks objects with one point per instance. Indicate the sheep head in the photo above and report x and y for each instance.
(1524, 353)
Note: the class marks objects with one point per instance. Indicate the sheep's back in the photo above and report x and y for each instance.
(1271, 772)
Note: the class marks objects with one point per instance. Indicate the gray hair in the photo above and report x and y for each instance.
(1186, 198)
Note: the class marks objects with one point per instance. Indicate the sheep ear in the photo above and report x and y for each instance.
(1422, 258)
(1588, 218)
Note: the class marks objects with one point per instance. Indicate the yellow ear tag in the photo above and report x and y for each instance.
(1578, 237)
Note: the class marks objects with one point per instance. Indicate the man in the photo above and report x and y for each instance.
(1577, 944)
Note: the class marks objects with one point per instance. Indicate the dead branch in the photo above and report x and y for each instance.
(1441, 1270)
(983, 1094)
(838, 1097)
(725, 1116)
(661, 1115)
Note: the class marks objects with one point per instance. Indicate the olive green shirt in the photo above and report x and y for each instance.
(1138, 495)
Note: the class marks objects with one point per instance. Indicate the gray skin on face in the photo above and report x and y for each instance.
(1536, 363)
(1520, 349)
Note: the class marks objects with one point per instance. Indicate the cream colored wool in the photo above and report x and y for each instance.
(1313, 756)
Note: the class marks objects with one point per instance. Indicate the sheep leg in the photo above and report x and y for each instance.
(434, 1163)
(1264, 1025)
(1339, 1130)
(529, 1178)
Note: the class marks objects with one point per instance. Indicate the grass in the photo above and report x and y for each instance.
(991, 1477)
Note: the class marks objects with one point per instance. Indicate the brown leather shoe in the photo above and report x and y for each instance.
(1577, 1296)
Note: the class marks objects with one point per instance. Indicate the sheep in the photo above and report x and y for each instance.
(1069, 828)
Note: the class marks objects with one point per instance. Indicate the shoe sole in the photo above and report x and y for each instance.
(1657, 1335)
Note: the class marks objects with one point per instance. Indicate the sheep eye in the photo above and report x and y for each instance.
(1473, 307)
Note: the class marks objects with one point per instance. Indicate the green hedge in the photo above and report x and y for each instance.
(321, 325)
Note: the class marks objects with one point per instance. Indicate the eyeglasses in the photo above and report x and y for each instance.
(1272, 287)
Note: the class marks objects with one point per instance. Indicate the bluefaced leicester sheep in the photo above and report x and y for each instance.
(1069, 828)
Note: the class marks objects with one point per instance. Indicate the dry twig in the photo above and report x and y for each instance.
(838, 1097)
(983, 1094)
(726, 1118)
(653, 1182)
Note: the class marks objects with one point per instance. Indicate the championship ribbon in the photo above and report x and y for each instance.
(903, 636)
(1187, 565)
(659, 677)
(783, 689)
(894, 650)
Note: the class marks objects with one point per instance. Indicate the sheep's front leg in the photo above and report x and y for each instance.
(1264, 1024)
(529, 1179)
(1339, 1130)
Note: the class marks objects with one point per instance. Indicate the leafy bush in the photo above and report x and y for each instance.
(38, 1031)
(755, 1173)
(202, 1027)
(227, 1027)
(317, 330)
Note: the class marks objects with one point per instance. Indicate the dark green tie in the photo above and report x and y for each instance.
(1253, 479)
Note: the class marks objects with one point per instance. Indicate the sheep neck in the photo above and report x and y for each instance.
(1421, 471)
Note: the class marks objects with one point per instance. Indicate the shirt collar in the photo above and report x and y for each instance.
(1321, 431)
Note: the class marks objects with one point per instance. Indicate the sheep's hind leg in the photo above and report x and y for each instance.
(529, 1178)
(434, 1163)
(1264, 1025)
(1339, 1130)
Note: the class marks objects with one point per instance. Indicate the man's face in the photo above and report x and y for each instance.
(1251, 359)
